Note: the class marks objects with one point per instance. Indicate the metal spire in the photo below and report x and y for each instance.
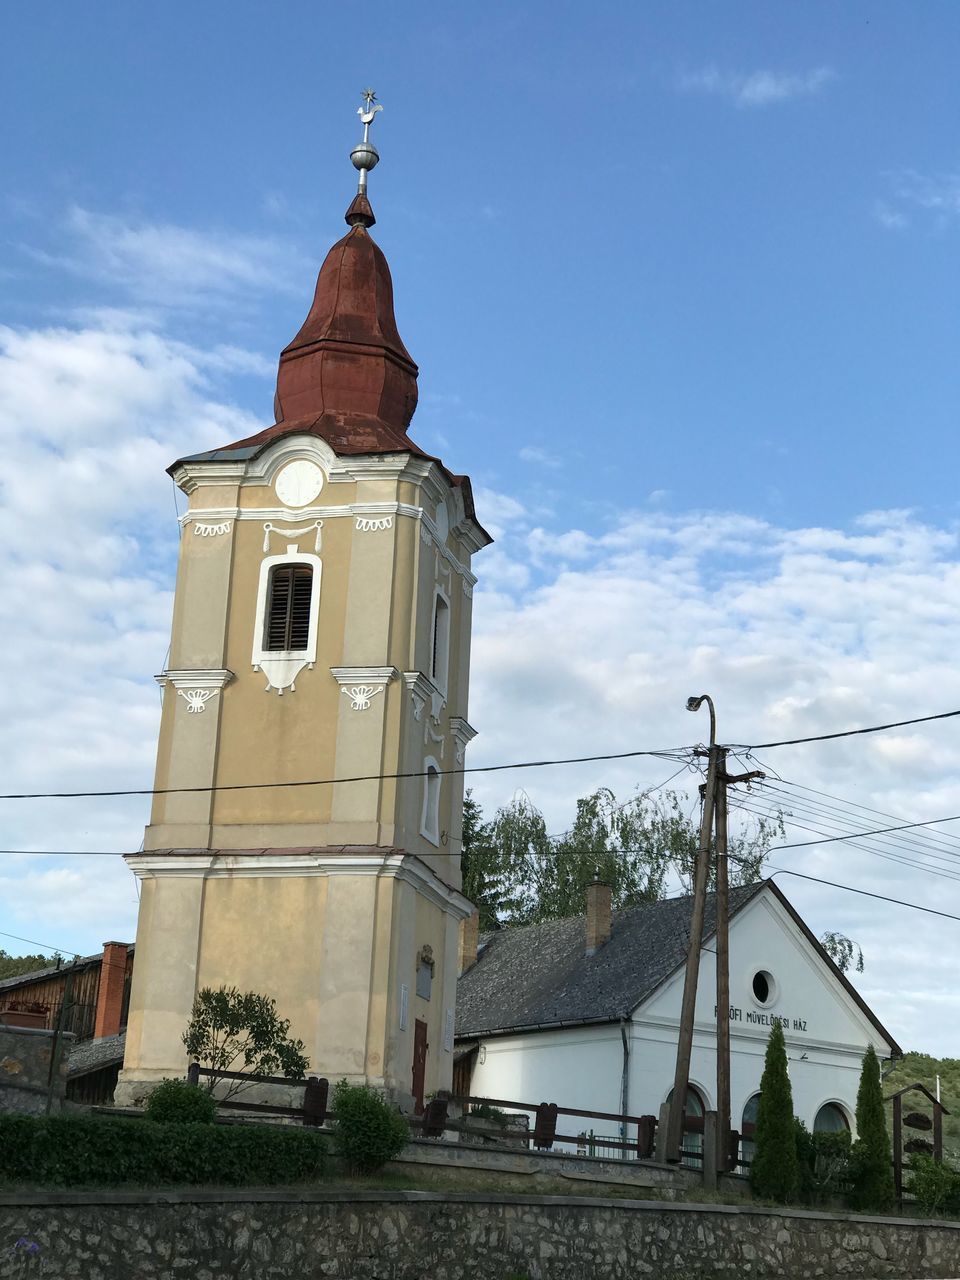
(365, 156)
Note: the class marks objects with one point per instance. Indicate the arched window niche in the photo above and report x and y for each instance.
(831, 1118)
(691, 1147)
(287, 615)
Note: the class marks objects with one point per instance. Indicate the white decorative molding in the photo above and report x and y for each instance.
(197, 699)
(361, 695)
(365, 524)
(280, 666)
(211, 530)
(423, 691)
(431, 735)
(296, 534)
(467, 589)
(463, 735)
(195, 687)
(362, 684)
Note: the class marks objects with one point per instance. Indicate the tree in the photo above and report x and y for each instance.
(873, 1190)
(233, 1031)
(479, 864)
(16, 966)
(517, 873)
(842, 950)
(774, 1170)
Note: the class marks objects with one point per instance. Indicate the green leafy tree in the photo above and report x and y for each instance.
(872, 1170)
(843, 951)
(480, 864)
(517, 873)
(230, 1030)
(16, 966)
(774, 1170)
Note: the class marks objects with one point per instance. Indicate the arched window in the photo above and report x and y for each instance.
(691, 1148)
(831, 1118)
(430, 818)
(287, 621)
(747, 1129)
(440, 641)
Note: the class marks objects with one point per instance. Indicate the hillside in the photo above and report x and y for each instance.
(920, 1068)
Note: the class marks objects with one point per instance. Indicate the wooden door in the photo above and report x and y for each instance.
(420, 1048)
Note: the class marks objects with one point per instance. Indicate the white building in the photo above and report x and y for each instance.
(541, 1019)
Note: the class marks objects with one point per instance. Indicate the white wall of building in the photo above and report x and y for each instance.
(826, 1035)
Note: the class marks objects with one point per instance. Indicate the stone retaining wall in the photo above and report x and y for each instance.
(25, 1055)
(383, 1235)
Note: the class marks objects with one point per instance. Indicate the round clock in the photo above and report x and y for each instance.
(299, 483)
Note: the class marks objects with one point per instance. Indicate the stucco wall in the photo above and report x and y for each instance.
(826, 1036)
(410, 1235)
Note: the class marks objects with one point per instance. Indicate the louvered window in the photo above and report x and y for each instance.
(288, 608)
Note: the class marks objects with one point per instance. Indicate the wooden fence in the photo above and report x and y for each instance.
(544, 1119)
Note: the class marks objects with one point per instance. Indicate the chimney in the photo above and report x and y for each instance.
(469, 938)
(599, 908)
(113, 973)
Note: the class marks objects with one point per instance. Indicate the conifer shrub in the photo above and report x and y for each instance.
(774, 1170)
(872, 1160)
(177, 1102)
(368, 1131)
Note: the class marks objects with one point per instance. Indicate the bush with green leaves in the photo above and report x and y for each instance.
(935, 1186)
(774, 1173)
(871, 1162)
(824, 1163)
(75, 1151)
(230, 1030)
(177, 1102)
(368, 1131)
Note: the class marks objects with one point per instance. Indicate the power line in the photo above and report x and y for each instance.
(866, 893)
(34, 943)
(849, 733)
(669, 753)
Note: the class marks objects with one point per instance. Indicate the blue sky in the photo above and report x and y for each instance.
(681, 280)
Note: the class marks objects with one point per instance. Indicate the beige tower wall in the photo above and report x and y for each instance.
(323, 896)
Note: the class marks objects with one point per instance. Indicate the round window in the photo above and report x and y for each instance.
(764, 987)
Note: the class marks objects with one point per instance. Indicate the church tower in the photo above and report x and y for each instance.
(304, 841)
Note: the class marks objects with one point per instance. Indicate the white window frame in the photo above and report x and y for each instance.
(440, 645)
(430, 814)
(261, 653)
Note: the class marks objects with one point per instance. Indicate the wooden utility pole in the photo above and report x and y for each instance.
(724, 780)
(56, 1049)
(678, 1101)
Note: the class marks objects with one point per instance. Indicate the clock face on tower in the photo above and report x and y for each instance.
(299, 483)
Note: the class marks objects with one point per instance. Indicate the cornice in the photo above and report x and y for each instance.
(256, 864)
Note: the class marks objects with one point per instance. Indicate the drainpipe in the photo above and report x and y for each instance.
(624, 1085)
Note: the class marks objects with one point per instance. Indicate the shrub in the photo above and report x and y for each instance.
(71, 1151)
(368, 1131)
(935, 1187)
(824, 1163)
(230, 1030)
(774, 1169)
(871, 1166)
(177, 1102)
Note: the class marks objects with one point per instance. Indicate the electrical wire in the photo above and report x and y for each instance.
(668, 753)
(866, 893)
(34, 943)
(849, 733)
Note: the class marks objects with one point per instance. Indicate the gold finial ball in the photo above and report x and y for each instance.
(364, 156)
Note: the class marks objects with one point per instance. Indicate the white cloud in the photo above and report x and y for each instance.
(890, 219)
(757, 88)
(172, 266)
(587, 640)
(915, 194)
(539, 457)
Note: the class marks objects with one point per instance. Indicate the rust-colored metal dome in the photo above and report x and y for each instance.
(347, 376)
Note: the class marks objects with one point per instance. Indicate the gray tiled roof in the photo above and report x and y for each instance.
(537, 975)
(91, 1055)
